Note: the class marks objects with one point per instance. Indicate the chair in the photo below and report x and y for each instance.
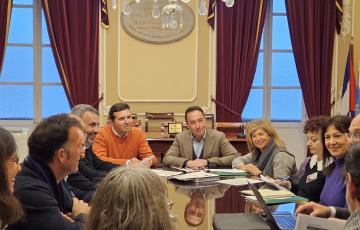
(159, 117)
(210, 117)
(231, 127)
(135, 121)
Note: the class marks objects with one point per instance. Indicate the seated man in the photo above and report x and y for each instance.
(120, 142)
(199, 147)
(91, 168)
(55, 147)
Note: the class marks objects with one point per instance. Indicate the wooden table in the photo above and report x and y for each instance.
(160, 142)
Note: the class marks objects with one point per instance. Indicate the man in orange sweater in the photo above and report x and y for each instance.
(120, 142)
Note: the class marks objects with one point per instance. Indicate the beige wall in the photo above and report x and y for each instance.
(157, 78)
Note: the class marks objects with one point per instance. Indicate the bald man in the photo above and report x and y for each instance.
(319, 210)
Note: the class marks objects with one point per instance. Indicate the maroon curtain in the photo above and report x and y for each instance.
(239, 30)
(312, 29)
(5, 13)
(73, 27)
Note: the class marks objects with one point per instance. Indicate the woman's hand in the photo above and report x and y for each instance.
(250, 168)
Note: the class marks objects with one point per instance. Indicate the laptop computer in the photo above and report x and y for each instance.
(283, 220)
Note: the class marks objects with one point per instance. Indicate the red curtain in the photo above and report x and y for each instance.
(73, 27)
(312, 29)
(5, 13)
(239, 30)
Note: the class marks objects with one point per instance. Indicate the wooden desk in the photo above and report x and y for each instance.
(160, 142)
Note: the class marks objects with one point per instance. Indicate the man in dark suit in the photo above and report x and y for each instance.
(91, 168)
(199, 147)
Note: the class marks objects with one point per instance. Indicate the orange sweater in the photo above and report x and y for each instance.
(111, 148)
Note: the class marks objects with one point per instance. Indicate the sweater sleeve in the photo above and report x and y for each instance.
(242, 160)
(282, 165)
(144, 149)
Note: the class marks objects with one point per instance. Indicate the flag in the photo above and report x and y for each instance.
(348, 93)
(104, 14)
(358, 93)
(339, 15)
(211, 13)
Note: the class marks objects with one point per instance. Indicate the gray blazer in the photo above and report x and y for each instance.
(217, 149)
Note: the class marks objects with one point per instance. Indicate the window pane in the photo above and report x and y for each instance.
(23, 2)
(280, 32)
(21, 26)
(54, 101)
(49, 70)
(18, 101)
(254, 105)
(291, 99)
(18, 65)
(259, 74)
(44, 33)
(279, 6)
(283, 70)
(262, 40)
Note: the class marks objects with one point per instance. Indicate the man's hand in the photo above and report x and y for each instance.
(250, 168)
(67, 217)
(314, 209)
(134, 162)
(146, 162)
(197, 164)
(79, 207)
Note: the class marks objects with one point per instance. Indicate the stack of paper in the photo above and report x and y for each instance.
(164, 173)
(240, 181)
(229, 172)
(268, 193)
(196, 177)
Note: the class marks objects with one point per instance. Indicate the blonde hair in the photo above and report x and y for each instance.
(130, 198)
(267, 127)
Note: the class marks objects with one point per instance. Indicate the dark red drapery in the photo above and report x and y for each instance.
(5, 13)
(239, 30)
(73, 27)
(312, 29)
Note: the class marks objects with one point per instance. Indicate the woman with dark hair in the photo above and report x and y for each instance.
(312, 178)
(10, 207)
(335, 140)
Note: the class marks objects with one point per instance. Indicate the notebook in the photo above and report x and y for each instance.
(283, 220)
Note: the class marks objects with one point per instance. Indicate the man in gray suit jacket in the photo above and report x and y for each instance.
(199, 147)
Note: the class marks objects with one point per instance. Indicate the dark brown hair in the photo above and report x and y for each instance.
(314, 124)
(10, 208)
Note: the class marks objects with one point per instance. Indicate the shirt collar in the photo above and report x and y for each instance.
(116, 133)
(203, 138)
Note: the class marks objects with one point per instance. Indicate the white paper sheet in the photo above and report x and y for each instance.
(164, 173)
(239, 181)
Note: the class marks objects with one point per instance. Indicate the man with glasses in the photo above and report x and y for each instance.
(319, 210)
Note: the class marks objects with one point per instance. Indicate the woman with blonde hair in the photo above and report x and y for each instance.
(268, 155)
(130, 198)
(10, 208)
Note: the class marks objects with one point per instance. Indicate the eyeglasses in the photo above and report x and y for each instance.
(14, 159)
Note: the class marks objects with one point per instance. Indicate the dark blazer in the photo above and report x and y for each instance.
(342, 213)
(43, 199)
(91, 171)
(217, 149)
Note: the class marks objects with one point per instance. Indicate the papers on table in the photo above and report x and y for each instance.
(268, 193)
(229, 172)
(240, 181)
(272, 182)
(282, 200)
(164, 173)
(196, 177)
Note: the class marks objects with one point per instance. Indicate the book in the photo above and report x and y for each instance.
(229, 172)
(283, 200)
(269, 193)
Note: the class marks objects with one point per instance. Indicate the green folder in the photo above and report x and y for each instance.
(270, 201)
(220, 173)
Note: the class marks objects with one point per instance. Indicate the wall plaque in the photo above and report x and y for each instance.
(142, 26)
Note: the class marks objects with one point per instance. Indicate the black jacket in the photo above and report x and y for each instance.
(43, 199)
(91, 171)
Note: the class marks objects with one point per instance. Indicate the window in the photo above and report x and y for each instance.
(276, 92)
(30, 86)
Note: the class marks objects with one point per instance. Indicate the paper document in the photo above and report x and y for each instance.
(229, 172)
(282, 200)
(239, 181)
(272, 182)
(306, 222)
(268, 193)
(164, 173)
(194, 175)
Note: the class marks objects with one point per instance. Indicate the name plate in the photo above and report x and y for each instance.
(175, 128)
(142, 26)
